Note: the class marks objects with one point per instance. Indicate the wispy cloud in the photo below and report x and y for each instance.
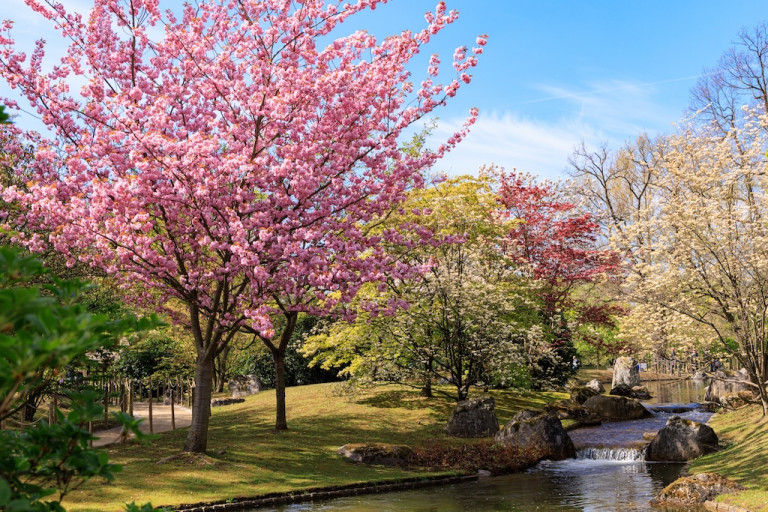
(612, 112)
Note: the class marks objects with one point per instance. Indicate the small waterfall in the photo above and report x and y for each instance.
(616, 454)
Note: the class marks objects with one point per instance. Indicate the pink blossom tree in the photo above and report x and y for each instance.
(229, 157)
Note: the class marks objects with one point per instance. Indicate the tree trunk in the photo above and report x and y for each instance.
(426, 388)
(278, 356)
(197, 439)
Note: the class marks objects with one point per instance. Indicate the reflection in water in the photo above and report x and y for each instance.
(677, 392)
(584, 484)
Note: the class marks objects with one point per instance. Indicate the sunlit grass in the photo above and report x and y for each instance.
(745, 459)
(246, 458)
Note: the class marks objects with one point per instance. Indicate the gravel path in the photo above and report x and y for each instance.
(161, 421)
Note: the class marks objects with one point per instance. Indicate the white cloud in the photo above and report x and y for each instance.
(611, 113)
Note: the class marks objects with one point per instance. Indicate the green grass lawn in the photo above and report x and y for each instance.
(745, 432)
(246, 458)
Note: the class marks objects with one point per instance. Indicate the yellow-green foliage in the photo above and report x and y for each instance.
(246, 458)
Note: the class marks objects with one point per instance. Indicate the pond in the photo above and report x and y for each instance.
(608, 473)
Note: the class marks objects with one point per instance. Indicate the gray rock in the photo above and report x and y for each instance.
(726, 383)
(596, 385)
(475, 417)
(625, 371)
(733, 401)
(376, 453)
(569, 410)
(693, 490)
(681, 440)
(244, 385)
(580, 394)
(616, 408)
(540, 433)
(218, 402)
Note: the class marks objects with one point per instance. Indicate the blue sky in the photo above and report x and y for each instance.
(554, 72)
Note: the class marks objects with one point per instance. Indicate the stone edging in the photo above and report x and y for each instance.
(714, 506)
(323, 494)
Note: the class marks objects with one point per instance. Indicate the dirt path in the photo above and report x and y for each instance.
(161, 421)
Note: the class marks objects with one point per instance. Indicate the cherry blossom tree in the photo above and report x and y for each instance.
(228, 157)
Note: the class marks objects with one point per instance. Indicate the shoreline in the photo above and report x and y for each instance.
(323, 493)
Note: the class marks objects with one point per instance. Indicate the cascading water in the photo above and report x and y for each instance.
(614, 454)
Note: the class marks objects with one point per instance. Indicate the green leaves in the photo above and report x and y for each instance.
(42, 330)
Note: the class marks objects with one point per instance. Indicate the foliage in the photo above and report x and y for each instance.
(458, 322)
(554, 244)
(39, 335)
(230, 158)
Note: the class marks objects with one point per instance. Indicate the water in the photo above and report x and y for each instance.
(608, 473)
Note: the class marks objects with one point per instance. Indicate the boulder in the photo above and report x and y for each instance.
(569, 410)
(639, 392)
(596, 385)
(219, 402)
(681, 440)
(625, 371)
(244, 385)
(621, 390)
(616, 408)
(580, 394)
(733, 401)
(724, 383)
(475, 417)
(383, 454)
(694, 490)
(539, 433)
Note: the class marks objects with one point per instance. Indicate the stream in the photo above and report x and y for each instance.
(608, 473)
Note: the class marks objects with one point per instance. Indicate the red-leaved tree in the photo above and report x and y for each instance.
(555, 244)
(230, 156)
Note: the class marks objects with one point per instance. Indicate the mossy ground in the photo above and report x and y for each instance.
(247, 458)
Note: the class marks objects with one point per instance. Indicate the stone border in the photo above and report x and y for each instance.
(715, 506)
(324, 493)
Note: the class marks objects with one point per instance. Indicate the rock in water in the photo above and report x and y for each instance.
(475, 417)
(616, 408)
(727, 383)
(693, 490)
(581, 394)
(625, 371)
(539, 433)
(681, 440)
(596, 385)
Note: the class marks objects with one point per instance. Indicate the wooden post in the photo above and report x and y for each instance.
(123, 398)
(50, 413)
(173, 414)
(151, 429)
(90, 431)
(130, 397)
(106, 403)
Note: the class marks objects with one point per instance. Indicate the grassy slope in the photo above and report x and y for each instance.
(745, 460)
(245, 458)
